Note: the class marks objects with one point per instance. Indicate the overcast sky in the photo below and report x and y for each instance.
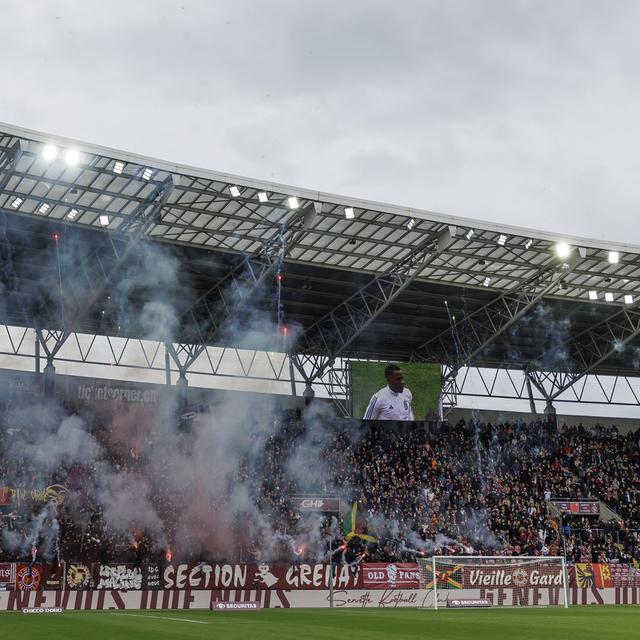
(518, 111)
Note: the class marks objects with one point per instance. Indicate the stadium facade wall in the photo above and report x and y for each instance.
(281, 598)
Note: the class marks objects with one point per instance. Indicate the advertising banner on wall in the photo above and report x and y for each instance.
(294, 598)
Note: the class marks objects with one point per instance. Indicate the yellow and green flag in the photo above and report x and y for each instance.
(354, 525)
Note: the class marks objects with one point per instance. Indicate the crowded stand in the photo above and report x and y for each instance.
(470, 488)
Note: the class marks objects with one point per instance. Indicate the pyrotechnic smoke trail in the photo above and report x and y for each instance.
(56, 238)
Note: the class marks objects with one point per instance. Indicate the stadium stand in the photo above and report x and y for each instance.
(472, 488)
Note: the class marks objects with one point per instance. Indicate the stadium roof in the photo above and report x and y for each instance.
(339, 244)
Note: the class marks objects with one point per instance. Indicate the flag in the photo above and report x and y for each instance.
(354, 525)
(449, 577)
(593, 574)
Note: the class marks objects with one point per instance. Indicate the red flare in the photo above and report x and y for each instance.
(284, 330)
(56, 236)
(279, 277)
(169, 555)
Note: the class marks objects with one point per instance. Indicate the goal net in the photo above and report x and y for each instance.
(485, 581)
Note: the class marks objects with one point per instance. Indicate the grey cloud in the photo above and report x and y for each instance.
(522, 112)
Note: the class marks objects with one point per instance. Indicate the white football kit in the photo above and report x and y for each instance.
(389, 405)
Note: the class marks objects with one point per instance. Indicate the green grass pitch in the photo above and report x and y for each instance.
(309, 624)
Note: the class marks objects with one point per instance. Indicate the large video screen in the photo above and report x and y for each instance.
(421, 378)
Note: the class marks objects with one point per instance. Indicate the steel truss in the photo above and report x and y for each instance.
(470, 335)
(511, 384)
(100, 270)
(96, 355)
(322, 343)
(207, 315)
(112, 357)
(587, 351)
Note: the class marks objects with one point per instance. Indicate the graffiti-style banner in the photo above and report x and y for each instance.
(20, 495)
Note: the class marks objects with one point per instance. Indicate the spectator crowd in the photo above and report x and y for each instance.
(472, 488)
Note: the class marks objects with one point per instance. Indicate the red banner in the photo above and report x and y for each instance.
(252, 576)
(7, 576)
(28, 579)
(39, 576)
(398, 575)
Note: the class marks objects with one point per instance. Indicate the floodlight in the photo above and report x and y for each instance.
(17, 202)
(614, 257)
(411, 224)
(147, 173)
(234, 191)
(349, 213)
(528, 243)
(104, 221)
(502, 239)
(118, 166)
(72, 157)
(593, 295)
(486, 282)
(44, 207)
(49, 152)
(469, 234)
(608, 296)
(72, 214)
(293, 202)
(563, 250)
(263, 197)
(628, 299)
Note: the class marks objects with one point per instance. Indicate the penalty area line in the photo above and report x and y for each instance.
(139, 615)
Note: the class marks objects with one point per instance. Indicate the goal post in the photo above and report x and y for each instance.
(506, 581)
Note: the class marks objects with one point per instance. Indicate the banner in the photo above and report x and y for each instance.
(7, 576)
(577, 507)
(78, 576)
(39, 576)
(624, 575)
(324, 505)
(390, 576)
(469, 576)
(21, 495)
(28, 578)
(123, 577)
(592, 574)
(262, 576)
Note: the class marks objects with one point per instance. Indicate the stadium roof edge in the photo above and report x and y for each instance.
(409, 212)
